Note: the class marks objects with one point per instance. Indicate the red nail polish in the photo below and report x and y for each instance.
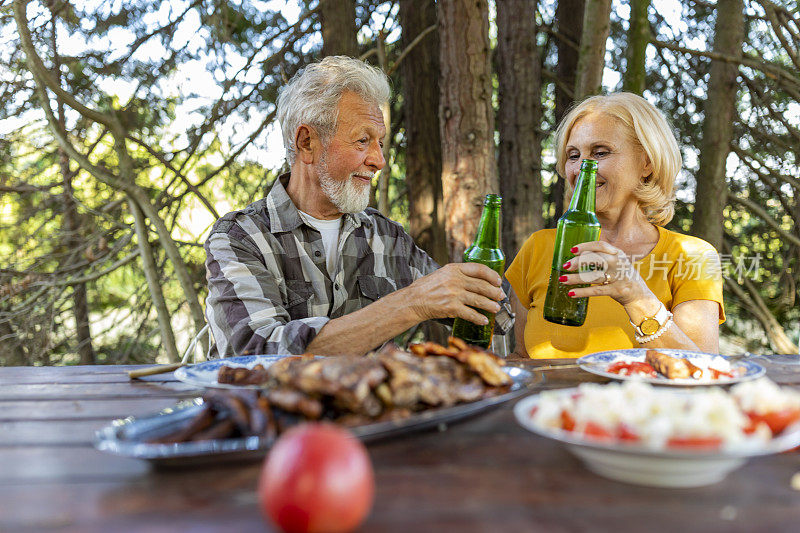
(562, 278)
(574, 249)
(571, 293)
(566, 265)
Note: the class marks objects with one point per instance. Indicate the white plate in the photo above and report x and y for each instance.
(205, 374)
(597, 363)
(639, 465)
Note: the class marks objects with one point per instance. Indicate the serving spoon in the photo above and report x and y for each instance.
(161, 369)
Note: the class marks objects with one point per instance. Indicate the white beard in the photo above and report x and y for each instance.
(346, 195)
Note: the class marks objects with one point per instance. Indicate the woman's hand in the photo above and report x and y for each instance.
(609, 271)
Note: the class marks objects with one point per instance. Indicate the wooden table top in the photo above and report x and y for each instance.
(483, 474)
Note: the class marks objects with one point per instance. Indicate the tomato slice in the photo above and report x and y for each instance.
(751, 427)
(624, 433)
(619, 367)
(704, 443)
(776, 420)
(715, 374)
(643, 368)
(627, 369)
(567, 422)
(596, 431)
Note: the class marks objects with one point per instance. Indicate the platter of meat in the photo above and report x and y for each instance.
(664, 366)
(384, 394)
(637, 433)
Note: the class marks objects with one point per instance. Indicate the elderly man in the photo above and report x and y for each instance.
(310, 268)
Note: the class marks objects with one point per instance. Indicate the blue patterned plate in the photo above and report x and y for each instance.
(205, 374)
(597, 363)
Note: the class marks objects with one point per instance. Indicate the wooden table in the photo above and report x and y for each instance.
(484, 474)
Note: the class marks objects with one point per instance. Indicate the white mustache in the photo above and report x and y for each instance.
(367, 175)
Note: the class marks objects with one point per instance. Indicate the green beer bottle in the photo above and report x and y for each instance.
(486, 251)
(579, 224)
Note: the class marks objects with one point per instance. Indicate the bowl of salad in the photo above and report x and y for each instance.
(637, 433)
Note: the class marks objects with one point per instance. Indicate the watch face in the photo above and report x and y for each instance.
(649, 326)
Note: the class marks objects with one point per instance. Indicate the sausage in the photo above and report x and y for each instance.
(202, 420)
(672, 367)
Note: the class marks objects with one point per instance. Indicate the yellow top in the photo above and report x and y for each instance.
(680, 268)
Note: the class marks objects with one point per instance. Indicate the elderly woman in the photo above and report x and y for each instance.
(656, 288)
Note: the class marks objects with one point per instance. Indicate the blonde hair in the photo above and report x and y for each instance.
(647, 127)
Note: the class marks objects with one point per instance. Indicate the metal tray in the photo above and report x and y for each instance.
(126, 436)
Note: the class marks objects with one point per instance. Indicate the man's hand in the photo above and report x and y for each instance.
(453, 290)
(447, 292)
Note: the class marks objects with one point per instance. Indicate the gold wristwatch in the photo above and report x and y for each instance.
(650, 324)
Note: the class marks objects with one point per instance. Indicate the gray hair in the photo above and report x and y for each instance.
(312, 96)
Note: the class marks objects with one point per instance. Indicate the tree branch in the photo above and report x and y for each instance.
(95, 275)
(772, 17)
(163, 160)
(28, 189)
(749, 295)
(217, 110)
(763, 215)
(747, 61)
(269, 118)
(791, 180)
(410, 47)
(39, 70)
(757, 93)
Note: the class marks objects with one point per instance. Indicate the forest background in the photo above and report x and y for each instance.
(128, 127)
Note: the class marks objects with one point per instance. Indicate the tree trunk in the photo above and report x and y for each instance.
(592, 52)
(467, 121)
(420, 71)
(569, 26)
(80, 304)
(72, 227)
(154, 283)
(519, 119)
(339, 32)
(720, 108)
(634, 79)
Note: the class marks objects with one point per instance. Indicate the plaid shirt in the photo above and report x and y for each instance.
(269, 291)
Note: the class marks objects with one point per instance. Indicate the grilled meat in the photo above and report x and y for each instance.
(672, 367)
(388, 385)
(294, 401)
(348, 380)
(242, 376)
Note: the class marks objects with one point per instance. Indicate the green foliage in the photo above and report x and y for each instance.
(193, 84)
(130, 66)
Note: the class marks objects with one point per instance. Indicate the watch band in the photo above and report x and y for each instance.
(651, 324)
(657, 334)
